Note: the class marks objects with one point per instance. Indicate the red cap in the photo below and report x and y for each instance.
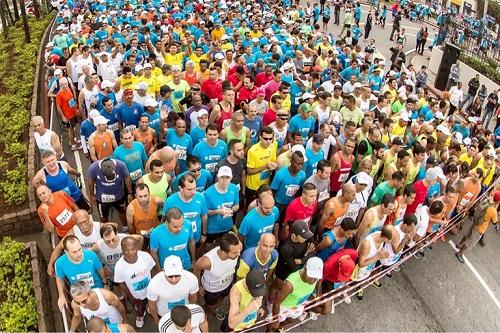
(346, 267)
(496, 196)
(127, 92)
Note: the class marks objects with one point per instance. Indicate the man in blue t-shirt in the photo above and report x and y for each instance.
(132, 153)
(287, 181)
(174, 237)
(302, 122)
(129, 111)
(211, 150)
(77, 265)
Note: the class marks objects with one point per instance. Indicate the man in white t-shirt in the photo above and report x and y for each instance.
(174, 286)
(184, 318)
(425, 215)
(358, 205)
(133, 273)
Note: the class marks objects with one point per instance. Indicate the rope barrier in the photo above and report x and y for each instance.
(352, 287)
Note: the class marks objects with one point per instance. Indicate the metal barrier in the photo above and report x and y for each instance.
(352, 287)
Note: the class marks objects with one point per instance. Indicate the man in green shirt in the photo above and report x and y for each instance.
(399, 103)
(387, 187)
(350, 111)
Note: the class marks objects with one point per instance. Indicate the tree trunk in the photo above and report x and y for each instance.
(4, 21)
(16, 10)
(36, 9)
(27, 37)
(6, 6)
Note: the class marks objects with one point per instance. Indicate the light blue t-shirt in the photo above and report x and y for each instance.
(254, 225)
(312, 161)
(197, 134)
(182, 145)
(210, 156)
(134, 158)
(86, 270)
(286, 186)
(334, 247)
(303, 126)
(167, 243)
(192, 210)
(217, 200)
(202, 182)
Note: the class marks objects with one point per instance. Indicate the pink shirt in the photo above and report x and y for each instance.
(419, 198)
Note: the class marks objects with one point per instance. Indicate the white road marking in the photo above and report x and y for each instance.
(80, 170)
(478, 277)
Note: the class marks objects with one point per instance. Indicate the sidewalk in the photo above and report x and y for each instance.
(423, 60)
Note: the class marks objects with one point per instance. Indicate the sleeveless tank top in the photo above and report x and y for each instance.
(230, 135)
(110, 255)
(375, 225)
(364, 272)
(225, 118)
(413, 170)
(103, 145)
(62, 182)
(157, 189)
(338, 178)
(90, 97)
(245, 299)
(106, 312)
(43, 141)
(279, 135)
(145, 221)
(145, 138)
(94, 237)
(191, 79)
(337, 216)
(323, 116)
(221, 272)
(393, 257)
(301, 291)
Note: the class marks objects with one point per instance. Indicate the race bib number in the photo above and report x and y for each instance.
(64, 217)
(250, 317)
(291, 190)
(141, 285)
(113, 127)
(324, 195)
(226, 123)
(343, 177)
(211, 167)
(179, 247)
(264, 175)
(182, 152)
(131, 127)
(86, 277)
(134, 175)
(106, 198)
(72, 103)
(297, 100)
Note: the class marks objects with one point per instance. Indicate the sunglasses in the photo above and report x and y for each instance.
(173, 276)
(195, 170)
(268, 139)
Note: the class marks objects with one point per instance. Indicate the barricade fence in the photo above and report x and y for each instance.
(353, 287)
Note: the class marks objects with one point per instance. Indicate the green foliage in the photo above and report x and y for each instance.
(16, 87)
(17, 301)
(488, 68)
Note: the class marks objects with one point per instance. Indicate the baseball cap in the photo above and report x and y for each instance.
(147, 65)
(432, 161)
(302, 229)
(93, 114)
(314, 268)
(49, 44)
(346, 268)
(405, 116)
(459, 137)
(127, 92)
(398, 142)
(58, 71)
(107, 84)
(439, 172)
(256, 283)
(301, 149)
(496, 196)
(141, 86)
(357, 85)
(255, 40)
(172, 265)
(202, 113)
(492, 153)
(439, 115)
(225, 171)
(219, 56)
(138, 68)
(150, 102)
(444, 129)
(100, 120)
(467, 141)
(305, 107)
(165, 89)
(363, 178)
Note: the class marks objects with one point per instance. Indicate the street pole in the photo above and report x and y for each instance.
(485, 9)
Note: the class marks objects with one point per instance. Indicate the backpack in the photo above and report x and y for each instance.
(479, 211)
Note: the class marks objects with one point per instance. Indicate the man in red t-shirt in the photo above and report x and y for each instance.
(67, 108)
(300, 209)
(213, 86)
(269, 115)
(422, 188)
(264, 77)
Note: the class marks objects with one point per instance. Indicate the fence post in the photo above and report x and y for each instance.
(5, 28)
(27, 37)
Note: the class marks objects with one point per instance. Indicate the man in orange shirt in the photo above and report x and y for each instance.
(68, 111)
(483, 215)
(56, 210)
(336, 208)
(472, 188)
(146, 135)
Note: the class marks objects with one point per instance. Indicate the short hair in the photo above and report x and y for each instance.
(126, 131)
(186, 178)
(436, 207)
(267, 130)
(418, 149)
(450, 189)
(232, 142)
(410, 219)
(69, 239)
(141, 186)
(348, 224)
(227, 240)
(79, 288)
(387, 199)
(212, 127)
(409, 190)
(349, 123)
(173, 213)
(192, 160)
(322, 165)
(180, 315)
(275, 98)
(309, 187)
(48, 153)
(386, 232)
(398, 175)
(402, 154)
(155, 163)
(480, 172)
(107, 229)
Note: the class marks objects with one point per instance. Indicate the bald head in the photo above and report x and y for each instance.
(129, 242)
(167, 154)
(80, 215)
(348, 189)
(267, 239)
(266, 245)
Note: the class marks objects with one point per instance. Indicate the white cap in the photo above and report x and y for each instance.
(308, 95)
(300, 148)
(431, 174)
(150, 102)
(49, 44)
(224, 37)
(141, 85)
(467, 141)
(225, 171)
(58, 71)
(138, 68)
(107, 84)
(439, 172)
(219, 56)
(405, 116)
(172, 266)
(255, 40)
(357, 85)
(459, 137)
(274, 39)
(93, 114)
(492, 153)
(439, 115)
(314, 268)
(202, 113)
(443, 129)
(287, 66)
(100, 120)
(147, 65)
(363, 178)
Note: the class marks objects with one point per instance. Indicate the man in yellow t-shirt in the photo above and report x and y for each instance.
(175, 58)
(179, 89)
(261, 161)
(197, 56)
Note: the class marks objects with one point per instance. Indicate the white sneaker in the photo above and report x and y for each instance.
(139, 322)
(313, 316)
(332, 311)
(347, 299)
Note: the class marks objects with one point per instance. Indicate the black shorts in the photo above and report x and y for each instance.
(326, 19)
(71, 123)
(213, 298)
(104, 207)
(82, 203)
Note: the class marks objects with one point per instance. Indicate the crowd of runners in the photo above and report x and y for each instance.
(237, 150)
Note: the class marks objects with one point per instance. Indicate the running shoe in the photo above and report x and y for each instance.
(359, 295)
(347, 299)
(377, 284)
(460, 258)
(220, 313)
(139, 321)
